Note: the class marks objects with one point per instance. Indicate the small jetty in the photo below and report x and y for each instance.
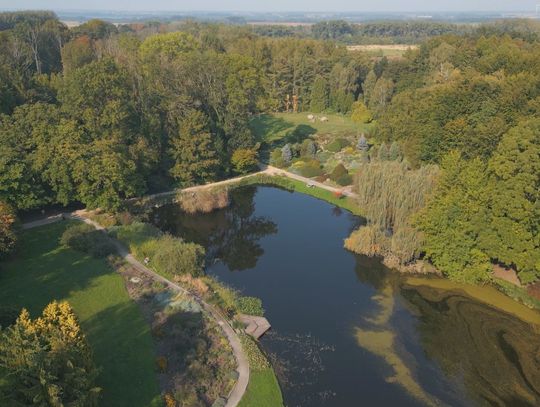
(255, 326)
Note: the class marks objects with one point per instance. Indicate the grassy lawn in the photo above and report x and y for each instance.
(298, 186)
(294, 127)
(120, 338)
(263, 390)
(335, 142)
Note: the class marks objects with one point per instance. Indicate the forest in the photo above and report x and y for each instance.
(98, 113)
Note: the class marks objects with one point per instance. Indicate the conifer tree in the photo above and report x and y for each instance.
(394, 153)
(192, 149)
(362, 143)
(48, 360)
(368, 86)
(286, 153)
(319, 95)
(382, 154)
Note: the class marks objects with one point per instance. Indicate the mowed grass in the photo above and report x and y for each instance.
(43, 271)
(262, 391)
(290, 184)
(294, 127)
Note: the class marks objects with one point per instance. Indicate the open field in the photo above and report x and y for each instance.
(294, 127)
(335, 139)
(281, 23)
(394, 50)
(43, 270)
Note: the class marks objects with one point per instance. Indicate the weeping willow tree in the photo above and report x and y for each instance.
(389, 193)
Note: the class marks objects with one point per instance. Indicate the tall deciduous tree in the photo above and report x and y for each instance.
(96, 98)
(513, 235)
(21, 183)
(192, 150)
(381, 95)
(391, 194)
(454, 219)
(368, 86)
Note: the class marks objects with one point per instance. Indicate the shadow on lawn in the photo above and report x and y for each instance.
(265, 124)
(299, 134)
(42, 271)
(124, 351)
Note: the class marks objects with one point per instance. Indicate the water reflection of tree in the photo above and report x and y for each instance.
(495, 355)
(231, 235)
(370, 270)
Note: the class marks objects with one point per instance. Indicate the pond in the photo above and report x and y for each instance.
(346, 330)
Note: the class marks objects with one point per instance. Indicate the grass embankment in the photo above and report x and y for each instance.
(43, 270)
(299, 186)
(263, 389)
(293, 127)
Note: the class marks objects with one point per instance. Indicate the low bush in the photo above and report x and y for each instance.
(276, 158)
(244, 160)
(360, 113)
(85, 238)
(341, 176)
(174, 256)
(169, 255)
(308, 169)
(136, 233)
(323, 156)
(345, 180)
(224, 297)
(338, 172)
(337, 145)
(250, 306)
(104, 219)
(124, 218)
(257, 359)
(308, 148)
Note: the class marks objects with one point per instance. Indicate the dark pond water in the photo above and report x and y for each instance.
(345, 330)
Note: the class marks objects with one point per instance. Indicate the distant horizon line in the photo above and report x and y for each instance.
(268, 11)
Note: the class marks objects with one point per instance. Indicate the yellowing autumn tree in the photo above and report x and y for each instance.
(47, 361)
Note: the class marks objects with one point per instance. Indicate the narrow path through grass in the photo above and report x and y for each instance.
(43, 271)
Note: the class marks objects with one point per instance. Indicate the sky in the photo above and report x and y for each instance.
(275, 5)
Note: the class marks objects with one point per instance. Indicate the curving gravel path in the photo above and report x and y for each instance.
(243, 365)
(241, 384)
(265, 170)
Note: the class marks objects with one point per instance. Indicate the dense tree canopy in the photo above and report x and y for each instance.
(97, 114)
